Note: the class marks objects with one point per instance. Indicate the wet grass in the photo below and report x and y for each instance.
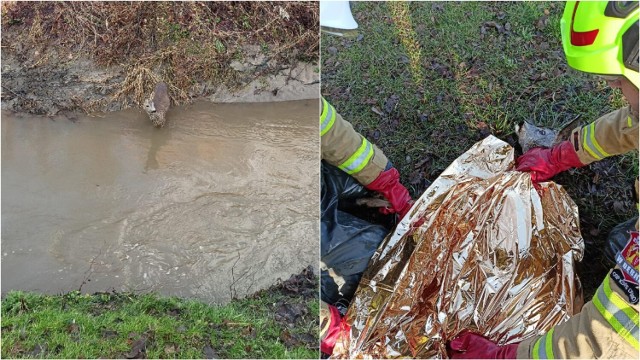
(426, 80)
(182, 43)
(281, 322)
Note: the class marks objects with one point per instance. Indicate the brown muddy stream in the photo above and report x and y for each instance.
(222, 201)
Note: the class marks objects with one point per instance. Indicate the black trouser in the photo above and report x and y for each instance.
(347, 242)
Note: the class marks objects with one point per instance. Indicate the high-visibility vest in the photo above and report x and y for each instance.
(351, 152)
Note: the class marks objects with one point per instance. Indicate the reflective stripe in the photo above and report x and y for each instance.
(590, 143)
(622, 317)
(327, 118)
(359, 159)
(546, 351)
(585, 146)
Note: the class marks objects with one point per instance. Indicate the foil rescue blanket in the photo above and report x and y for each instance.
(482, 249)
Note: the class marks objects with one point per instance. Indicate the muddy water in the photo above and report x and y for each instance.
(222, 201)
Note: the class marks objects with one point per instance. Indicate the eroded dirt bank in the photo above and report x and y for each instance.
(71, 85)
(108, 56)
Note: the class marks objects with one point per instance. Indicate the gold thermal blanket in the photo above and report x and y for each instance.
(482, 249)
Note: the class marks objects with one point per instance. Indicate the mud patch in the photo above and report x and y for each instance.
(98, 57)
(82, 86)
(58, 87)
(294, 311)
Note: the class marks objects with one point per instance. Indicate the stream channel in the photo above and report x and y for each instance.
(221, 202)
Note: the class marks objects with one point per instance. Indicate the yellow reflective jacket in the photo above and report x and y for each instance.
(343, 147)
(607, 326)
(612, 134)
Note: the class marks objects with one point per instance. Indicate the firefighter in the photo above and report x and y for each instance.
(599, 38)
(346, 149)
(612, 54)
(341, 145)
(349, 151)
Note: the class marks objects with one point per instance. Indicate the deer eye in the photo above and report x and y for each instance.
(542, 132)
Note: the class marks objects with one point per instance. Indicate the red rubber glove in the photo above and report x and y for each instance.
(338, 329)
(543, 164)
(388, 184)
(473, 346)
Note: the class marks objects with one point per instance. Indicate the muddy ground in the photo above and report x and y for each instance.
(108, 56)
(298, 296)
(69, 84)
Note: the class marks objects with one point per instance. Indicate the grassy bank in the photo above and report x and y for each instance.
(426, 80)
(281, 322)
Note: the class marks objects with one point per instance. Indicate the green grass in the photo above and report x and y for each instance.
(108, 325)
(457, 79)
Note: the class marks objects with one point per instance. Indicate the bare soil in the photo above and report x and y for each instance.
(108, 56)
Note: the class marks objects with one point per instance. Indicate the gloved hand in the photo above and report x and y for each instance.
(388, 184)
(336, 330)
(473, 346)
(543, 164)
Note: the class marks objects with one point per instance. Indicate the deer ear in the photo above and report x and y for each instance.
(566, 130)
(522, 127)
